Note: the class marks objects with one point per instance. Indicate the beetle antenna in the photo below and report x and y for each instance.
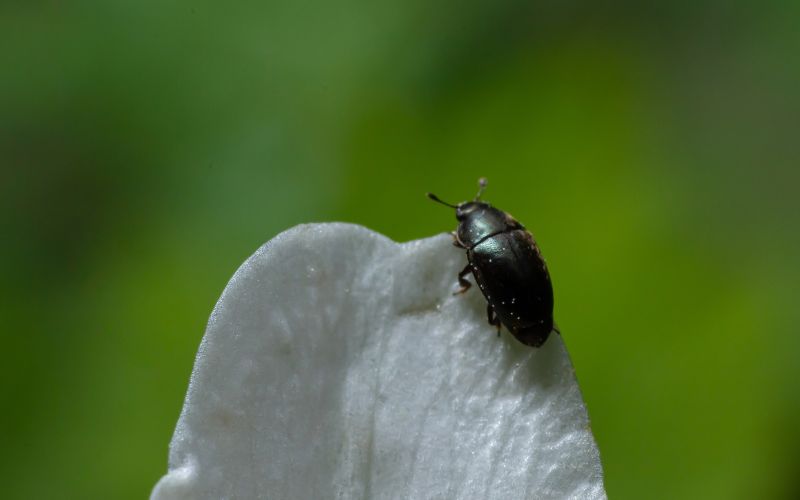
(482, 183)
(437, 200)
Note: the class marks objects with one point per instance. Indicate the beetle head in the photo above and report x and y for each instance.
(465, 208)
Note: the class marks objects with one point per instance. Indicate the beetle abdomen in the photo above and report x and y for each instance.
(513, 277)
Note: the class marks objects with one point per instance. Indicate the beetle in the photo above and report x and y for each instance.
(508, 268)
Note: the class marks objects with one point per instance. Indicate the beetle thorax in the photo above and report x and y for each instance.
(478, 220)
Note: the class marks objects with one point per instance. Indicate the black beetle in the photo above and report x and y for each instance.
(508, 268)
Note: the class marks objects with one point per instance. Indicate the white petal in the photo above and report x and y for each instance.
(338, 364)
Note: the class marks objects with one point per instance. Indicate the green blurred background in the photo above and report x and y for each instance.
(147, 148)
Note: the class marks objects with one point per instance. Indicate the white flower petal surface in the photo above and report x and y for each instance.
(339, 364)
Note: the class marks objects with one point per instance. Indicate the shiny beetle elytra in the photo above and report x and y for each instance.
(508, 267)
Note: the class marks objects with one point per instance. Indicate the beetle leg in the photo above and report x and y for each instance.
(493, 319)
(462, 281)
(456, 241)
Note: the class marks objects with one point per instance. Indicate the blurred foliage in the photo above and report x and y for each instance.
(147, 148)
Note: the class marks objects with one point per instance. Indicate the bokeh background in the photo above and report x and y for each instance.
(147, 148)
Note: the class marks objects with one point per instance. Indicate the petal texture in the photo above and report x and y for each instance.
(338, 364)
